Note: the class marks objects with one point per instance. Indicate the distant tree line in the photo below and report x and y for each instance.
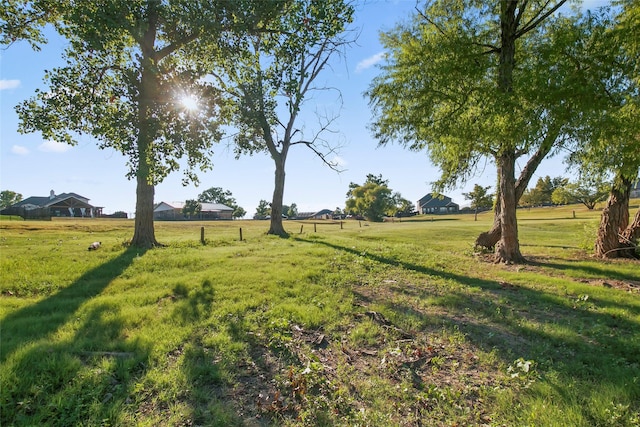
(587, 190)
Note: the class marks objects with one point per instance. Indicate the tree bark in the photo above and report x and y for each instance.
(489, 239)
(508, 28)
(508, 247)
(278, 195)
(614, 221)
(144, 233)
(630, 237)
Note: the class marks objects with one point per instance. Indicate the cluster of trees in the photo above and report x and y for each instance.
(374, 200)
(213, 195)
(264, 211)
(542, 193)
(131, 64)
(8, 198)
(587, 190)
(517, 79)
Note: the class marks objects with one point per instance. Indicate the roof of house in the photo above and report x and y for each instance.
(47, 201)
(314, 214)
(206, 207)
(436, 201)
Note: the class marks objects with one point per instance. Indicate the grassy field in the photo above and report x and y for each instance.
(389, 324)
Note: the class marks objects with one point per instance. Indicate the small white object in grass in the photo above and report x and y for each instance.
(94, 246)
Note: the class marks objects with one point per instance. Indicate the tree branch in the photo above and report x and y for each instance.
(169, 49)
(538, 18)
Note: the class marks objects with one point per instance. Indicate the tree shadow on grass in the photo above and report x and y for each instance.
(581, 339)
(431, 219)
(85, 379)
(38, 320)
(602, 270)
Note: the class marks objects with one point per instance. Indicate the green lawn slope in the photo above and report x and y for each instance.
(353, 324)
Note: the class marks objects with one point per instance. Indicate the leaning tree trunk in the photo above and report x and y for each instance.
(613, 221)
(630, 237)
(489, 239)
(508, 247)
(278, 195)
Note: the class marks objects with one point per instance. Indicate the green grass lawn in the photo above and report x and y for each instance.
(386, 324)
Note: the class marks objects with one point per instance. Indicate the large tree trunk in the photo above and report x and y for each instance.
(144, 233)
(489, 239)
(614, 220)
(508, 28)
(508, 247)
(278, 195)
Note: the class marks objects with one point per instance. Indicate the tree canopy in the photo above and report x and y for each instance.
(8, 198)
(585, 190)
(129, 66)
(480, 198)
(611, 142)
(191, 208)
(541, 194)
(468, 80)
(263, 210)
(271, 75)
(372, 200)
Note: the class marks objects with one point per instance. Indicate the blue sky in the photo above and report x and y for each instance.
(32, 166)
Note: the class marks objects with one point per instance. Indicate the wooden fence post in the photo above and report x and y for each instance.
(202, 235)
(301, 226)
(314, 227)
(340, 225)
(241, 234)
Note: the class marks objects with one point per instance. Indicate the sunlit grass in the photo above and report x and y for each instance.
(365, 324)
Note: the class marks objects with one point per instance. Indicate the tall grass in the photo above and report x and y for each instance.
(365, 324)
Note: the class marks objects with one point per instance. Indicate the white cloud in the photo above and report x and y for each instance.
(53, 147)
(9, 84)
(370, 62)
(338, 161)
(19, 150)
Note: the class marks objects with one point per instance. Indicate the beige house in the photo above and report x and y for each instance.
(173, 211)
